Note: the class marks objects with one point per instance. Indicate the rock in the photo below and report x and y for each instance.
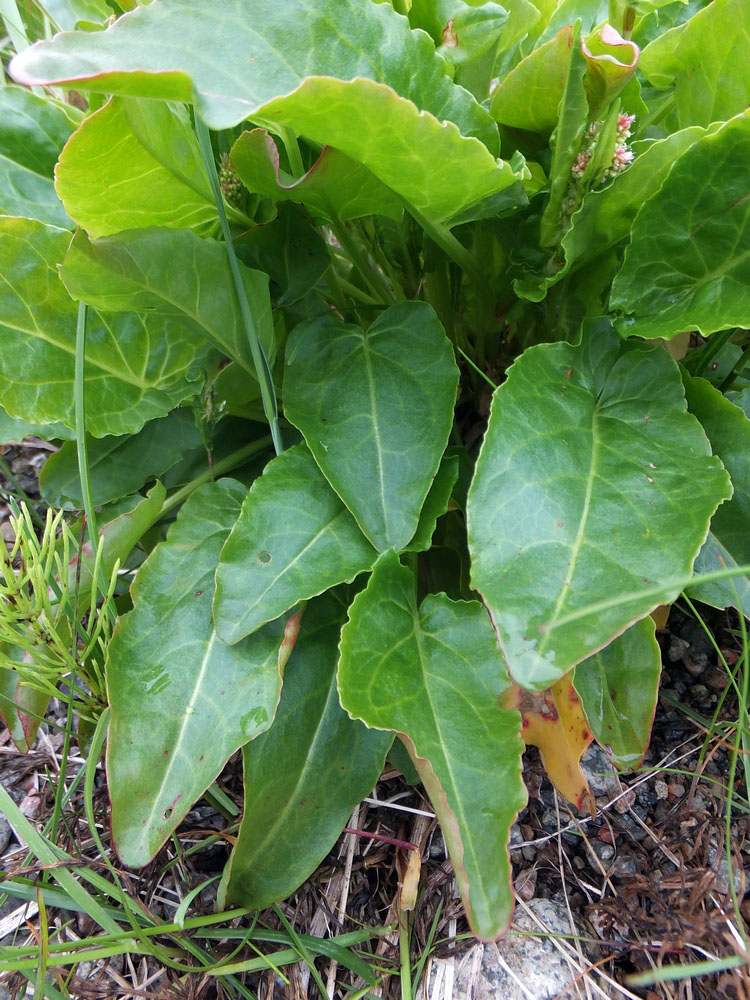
(518, 966)
(598, 771)
(5, 834)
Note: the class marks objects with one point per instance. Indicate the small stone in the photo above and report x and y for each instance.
(677, 648)
(525, 884)
(695, 662)
(550, 820)
(661, 788)
(528, 852)
(624, 864)
(5, 834)
(598, 771)
(605, 852)
(676, 790)
(646, 795)
(578, 862)
(625, 802)
(716, 679)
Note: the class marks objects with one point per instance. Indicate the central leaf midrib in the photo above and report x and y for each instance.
(578, 541)
(306, 547)
(466, 844)
(187, 716)
(376, 433)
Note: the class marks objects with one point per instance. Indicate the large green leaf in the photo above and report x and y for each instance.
(428, 163)
(593, 480)
(376, 409)
(234, 64)
(618, 688)
(433, 675)
(182, 702)
(529, 96)
(137, 367)
(688, 263)
(383, 98)
(293, 540)
(119, 466)
(33, 130)
(305, 775)
(706, 61)
(728, 543)
(686, 267)
(134, 164)
(334, 187)
(178, 273)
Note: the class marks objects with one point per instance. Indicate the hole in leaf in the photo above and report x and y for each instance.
(167, 812)
(264, 557)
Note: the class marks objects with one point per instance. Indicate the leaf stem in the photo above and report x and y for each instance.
(225, 465)
(289, 139)
(444, 238)
(262, 368)
(369, 271)
(80, 421)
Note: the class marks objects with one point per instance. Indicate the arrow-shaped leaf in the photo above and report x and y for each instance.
(376, 408)
(433, 675)
(293, 540)
(137, 367)
(305, 775)
(182, 702)
(593, 479)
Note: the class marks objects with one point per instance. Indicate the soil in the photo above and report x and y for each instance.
(646, 882)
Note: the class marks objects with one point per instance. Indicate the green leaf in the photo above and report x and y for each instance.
(463, 31)
(386, 82)
(147, 152)
(688, 263)
(376, 409)
(293, 540)
(728, 543)
(182, 702)
(706, 62)
(117, 538)
(400, 144)
(137, 367)
(436, 503)
(67, 14)
(593, 479)
(433, 676)
(305, 775)
(290, 251)
(177, 273)
(618, 688)
(529, 96)
(334, 187)
(33, 130)
(13, 429)
(180, 50)
(119, 466)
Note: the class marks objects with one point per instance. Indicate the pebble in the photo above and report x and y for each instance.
(676, 790)
(537, 967)
(605, 852)
(661, 789)
(598, 771)
(5, 834)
